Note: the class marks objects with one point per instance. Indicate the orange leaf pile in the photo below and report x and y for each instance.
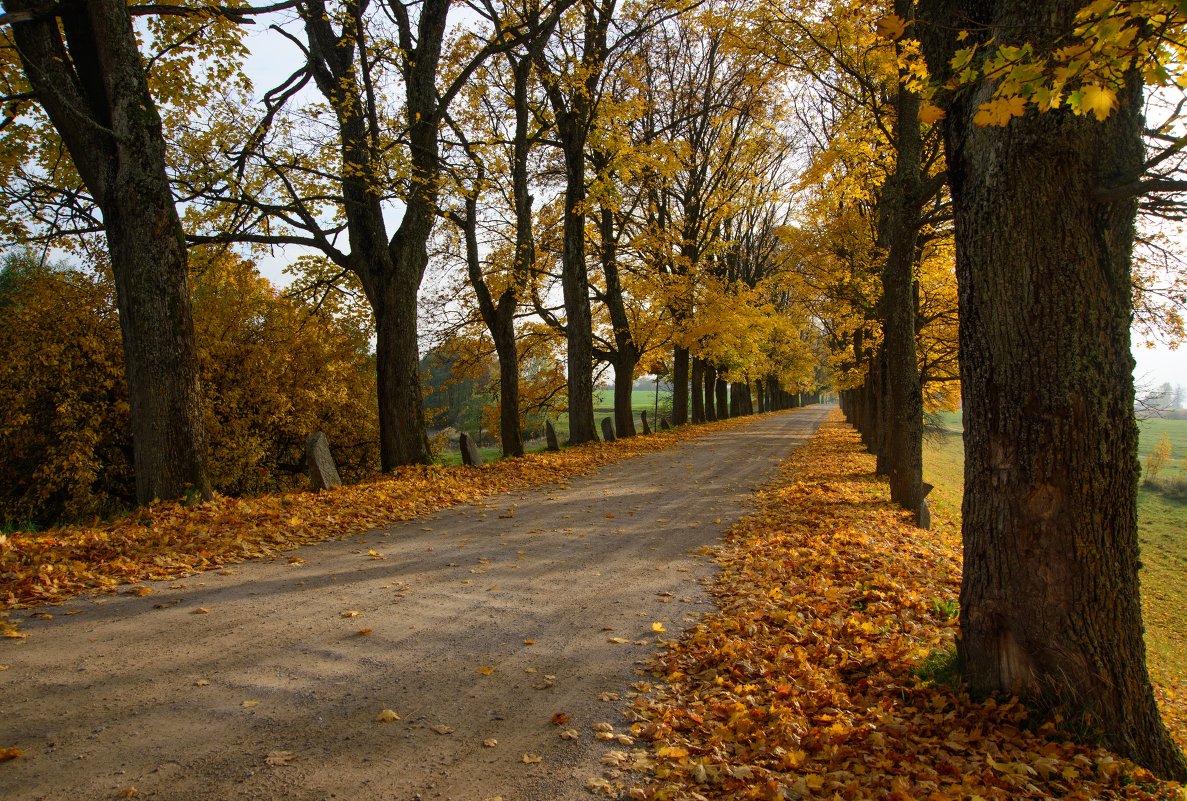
(821, 675)
(167, 540)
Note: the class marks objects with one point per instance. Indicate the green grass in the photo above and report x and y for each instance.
(454, 458)
(641, 400)
(1162, 533)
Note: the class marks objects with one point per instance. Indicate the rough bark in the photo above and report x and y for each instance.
(92, 85)
(901, 450)
(698, 390)
(723, 399)
(709, 376)
(1049, 602)
(680, 377)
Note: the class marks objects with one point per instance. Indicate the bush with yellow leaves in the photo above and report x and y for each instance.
(273, 371)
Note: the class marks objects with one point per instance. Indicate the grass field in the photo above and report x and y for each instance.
(1162, 531)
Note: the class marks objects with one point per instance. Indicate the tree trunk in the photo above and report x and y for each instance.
(1049, 601)
(575, 286)
(759, 391)
(510, 434)
(723, 400)
(898, 224)
(93, 87)
(679, 386)
(698, 390)
(709, 376)
(402, 435)
(624, 414)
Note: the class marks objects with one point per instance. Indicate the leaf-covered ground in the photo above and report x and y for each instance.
(167, 540)
(826, 672)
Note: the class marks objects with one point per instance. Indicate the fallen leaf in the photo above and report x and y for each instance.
(10, 753)
(202, 683)
(597, 784)
(615, 758)
(201, 610)
(608, 697)
(486, 670)
(296, 560)
(658, 627)
(490, 742)
(387, 716)
(532, 759)
(278, 758)
(529, 642)
(140, 590)
(618, 640)
(364, 632)
(42, 615)
(570, 734)
(559, 718)
(128, 792)
(249, 704)
(443, 729)
(350, 613)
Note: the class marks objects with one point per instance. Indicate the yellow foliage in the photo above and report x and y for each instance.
(272, 373)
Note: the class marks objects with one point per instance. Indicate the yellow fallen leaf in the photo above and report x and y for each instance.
(128, 792)
(249, 704)
(532, 759)
(364, 632)
(10, 753)
(529, 642)
(486, 670)
(570, 734)
(387, 716)
(490, 742)
(617, 640)
(658, 627)
(351, 613)
(202, 683)
(596, 784)
(201, 610)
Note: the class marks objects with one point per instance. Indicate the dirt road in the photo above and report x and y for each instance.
(475, 624)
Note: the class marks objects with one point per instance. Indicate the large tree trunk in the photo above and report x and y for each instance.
(680, 376)
(93, 87)
(1049, 602)
(402, 435)
(575, 286)
(698, 390)
(723, 400)
(899, 207)
(510, 434)
(624, 379)
(709, 375)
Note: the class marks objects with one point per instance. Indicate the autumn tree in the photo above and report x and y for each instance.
(81, 63)
(867, 74)
(500, 123)
(1045, 201)
(328, 174)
